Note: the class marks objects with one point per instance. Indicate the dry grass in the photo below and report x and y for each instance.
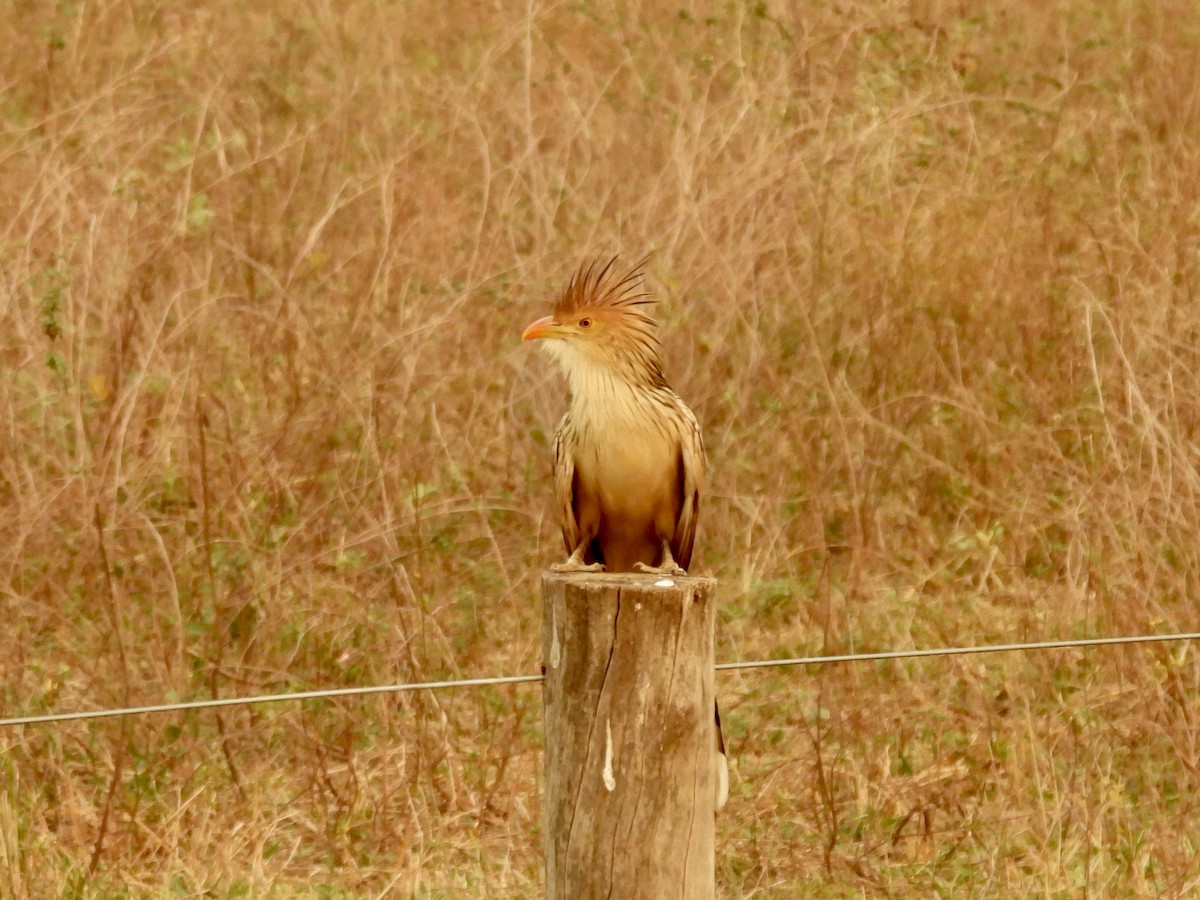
(930, 275)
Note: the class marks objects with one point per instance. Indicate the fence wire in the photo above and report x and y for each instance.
(878, 656)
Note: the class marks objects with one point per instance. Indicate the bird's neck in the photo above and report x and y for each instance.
(605, 396)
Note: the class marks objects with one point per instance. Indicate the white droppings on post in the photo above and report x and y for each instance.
(555, 649)
(610, 780)
(664, 582)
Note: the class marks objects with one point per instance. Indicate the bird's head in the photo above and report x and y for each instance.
(600, 320)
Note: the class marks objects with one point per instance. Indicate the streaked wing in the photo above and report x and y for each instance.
(691, 478)
(564, 482)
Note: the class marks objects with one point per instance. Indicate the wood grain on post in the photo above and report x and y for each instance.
(630, 778)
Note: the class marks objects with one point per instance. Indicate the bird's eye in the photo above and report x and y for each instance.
(585, 322)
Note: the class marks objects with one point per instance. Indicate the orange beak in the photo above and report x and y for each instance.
(539, 329)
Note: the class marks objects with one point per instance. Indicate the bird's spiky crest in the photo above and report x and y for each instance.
(629, 346)
(597, 286)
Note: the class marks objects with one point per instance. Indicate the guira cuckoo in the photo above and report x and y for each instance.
(628, 455)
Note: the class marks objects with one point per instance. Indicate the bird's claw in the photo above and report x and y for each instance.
(575, 566)
(671, 568)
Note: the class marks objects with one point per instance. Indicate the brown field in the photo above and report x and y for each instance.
(930, 278)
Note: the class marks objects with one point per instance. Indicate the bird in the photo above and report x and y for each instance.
(628, 455)
(629, 459)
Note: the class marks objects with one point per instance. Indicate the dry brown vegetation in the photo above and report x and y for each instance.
(930, 279)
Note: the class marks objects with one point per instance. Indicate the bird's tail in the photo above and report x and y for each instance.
(722, 761)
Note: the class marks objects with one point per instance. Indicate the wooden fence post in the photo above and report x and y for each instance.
(630, 783)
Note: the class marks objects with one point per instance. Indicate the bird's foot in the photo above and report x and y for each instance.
(670, 567)
(574, 565)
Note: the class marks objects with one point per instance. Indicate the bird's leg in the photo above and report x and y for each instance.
(668, 566)
(575, 562)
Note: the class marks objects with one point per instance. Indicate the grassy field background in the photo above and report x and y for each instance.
(929, 275)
